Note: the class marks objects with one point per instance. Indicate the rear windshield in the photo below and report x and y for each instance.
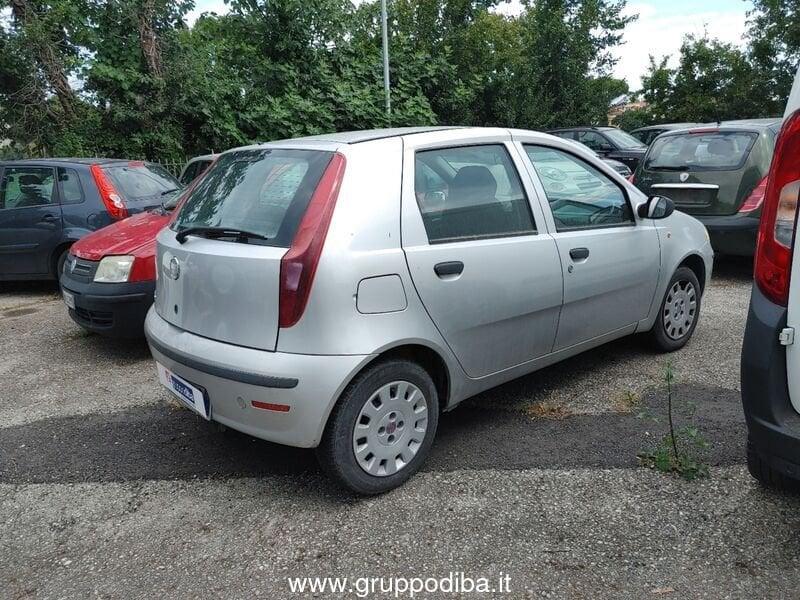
(264, 191)
(140, 182)
(712, 151)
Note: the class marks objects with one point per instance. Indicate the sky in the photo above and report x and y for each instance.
(661, 26)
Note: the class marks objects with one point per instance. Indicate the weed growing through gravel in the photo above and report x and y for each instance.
(544, 409)
(680, 450)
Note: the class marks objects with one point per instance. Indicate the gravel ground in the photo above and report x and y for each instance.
(109, 489)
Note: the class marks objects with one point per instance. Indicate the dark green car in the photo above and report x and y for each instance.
(716, 173)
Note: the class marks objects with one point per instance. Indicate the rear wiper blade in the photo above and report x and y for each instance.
(217, 232)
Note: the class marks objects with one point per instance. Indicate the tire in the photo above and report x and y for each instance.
(382, 402)
(58, 264)
(766, 475)
(680, 303)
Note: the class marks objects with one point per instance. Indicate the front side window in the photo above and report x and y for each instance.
(23, 187)
(263, 191)
(580, 196)
(470, 193)
(593, 140)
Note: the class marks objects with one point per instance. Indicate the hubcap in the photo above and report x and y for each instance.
(680, 309)
(390, 428)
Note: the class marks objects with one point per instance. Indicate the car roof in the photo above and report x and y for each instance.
(666, 126)
(588, 127)
(75, 161)
(368, 135)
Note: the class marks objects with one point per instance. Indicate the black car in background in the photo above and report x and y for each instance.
(609, 142)
(47, 204)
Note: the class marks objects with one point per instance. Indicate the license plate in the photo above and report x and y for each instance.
(192, 396)
(69, 299)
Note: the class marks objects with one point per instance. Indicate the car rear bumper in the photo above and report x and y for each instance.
(772, 423)
(239, 380)
(112, 309)
(734, 235)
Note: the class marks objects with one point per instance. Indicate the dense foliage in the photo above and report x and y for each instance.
(132, 78)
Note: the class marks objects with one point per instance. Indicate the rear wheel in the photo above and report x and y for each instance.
(766, 475)
(382, 428)
(679, 311)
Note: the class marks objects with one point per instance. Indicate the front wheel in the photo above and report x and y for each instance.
(382, 428)
(678, 313)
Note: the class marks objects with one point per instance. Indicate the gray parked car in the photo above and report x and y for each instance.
(341, 291)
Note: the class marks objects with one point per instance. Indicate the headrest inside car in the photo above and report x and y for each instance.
(475, 179)
(720, 147)
(30, 179)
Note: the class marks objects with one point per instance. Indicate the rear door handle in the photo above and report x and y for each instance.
(445, 269)
(48, 219)
(579, 253)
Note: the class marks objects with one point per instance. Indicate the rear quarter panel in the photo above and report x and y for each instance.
(363, 242)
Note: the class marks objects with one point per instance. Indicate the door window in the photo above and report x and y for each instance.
(69, 186)
(26, 186)
(470, 193)
(594, 140)
(579, 195)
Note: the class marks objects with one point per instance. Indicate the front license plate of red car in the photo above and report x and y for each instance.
(189, 394)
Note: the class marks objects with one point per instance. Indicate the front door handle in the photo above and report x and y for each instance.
(449, 269)
(49, 218)
(579, 253)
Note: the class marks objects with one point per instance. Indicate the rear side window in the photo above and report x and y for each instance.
(263, 191)
(140, 182)
(69, 186)
(712, 151)
(470, 193)
(23, 187)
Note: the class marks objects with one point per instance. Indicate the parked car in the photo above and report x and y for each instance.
(619, 167)
(718, 174)
(48, 204)
(770, 355)
(341, 291)
(195, 167)
(646, 135)
(608, 142)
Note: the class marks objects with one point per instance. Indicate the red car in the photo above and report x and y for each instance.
(109, 276)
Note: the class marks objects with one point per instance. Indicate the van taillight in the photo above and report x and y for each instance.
(114, 203)
(776, 231)
(299, 264)
(755, 198)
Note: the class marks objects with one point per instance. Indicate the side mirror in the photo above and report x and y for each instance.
(656, 207)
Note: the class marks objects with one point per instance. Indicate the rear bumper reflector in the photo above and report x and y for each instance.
(270, 406)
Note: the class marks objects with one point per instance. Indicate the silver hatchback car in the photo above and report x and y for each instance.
(341, 291)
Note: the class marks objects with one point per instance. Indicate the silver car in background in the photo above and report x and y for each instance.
(341, 291)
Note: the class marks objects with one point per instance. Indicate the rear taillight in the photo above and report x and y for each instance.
(776, 231)
(299, 264)
(114, 203)
(755, 198)
(143, 269)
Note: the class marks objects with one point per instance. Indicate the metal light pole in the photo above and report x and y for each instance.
(384, 29)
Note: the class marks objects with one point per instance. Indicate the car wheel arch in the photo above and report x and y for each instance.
(697, 265)
(56, 255)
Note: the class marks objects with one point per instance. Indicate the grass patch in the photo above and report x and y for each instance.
(545, 409)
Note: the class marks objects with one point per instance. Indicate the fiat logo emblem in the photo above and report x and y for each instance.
(174, 268)
(684, 176)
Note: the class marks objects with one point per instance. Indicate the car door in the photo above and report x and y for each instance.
(610, 259)
(30, 219)
(488, 276)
